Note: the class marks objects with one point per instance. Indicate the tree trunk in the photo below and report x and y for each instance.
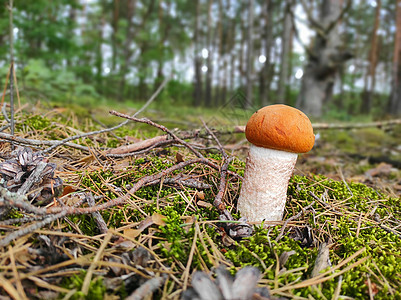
(241, 68)
(127, 52)
(370, 78)
(231, 42)
(114, 34)
(219, 57)
(324, 60)
(394, 107)
(265, 76)
(99, 54)
(164, 30)
(285, 55)
(250, 59)
(197, 99)
(209, 73)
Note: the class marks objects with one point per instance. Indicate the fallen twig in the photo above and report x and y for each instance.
(31, 142)
(241, 129)
(75, 137)
(139, 145)
(101, 224)
(31, 228)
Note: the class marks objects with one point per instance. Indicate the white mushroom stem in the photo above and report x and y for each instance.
(264, 188)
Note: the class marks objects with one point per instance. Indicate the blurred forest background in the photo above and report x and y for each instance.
(330, 58)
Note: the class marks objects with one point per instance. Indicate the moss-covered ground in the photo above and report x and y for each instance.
(357, 215)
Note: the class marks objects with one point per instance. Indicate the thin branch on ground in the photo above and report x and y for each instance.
(75, 137)
(158, 126)
(174, 136)
(101, 224)
(31, 142)
(10, 199)
(31, 228)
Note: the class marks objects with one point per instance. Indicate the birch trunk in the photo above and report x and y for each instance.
(325, 59)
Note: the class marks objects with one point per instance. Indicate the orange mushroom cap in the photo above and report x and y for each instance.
(280, 127)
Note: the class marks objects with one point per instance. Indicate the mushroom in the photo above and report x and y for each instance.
(277, 134)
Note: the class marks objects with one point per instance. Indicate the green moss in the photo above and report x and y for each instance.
(36, 122)
(382, 247)
(335, 217)
(341, 139)
(371, 138)
(97, 289)
(178, 239)
(14, 214)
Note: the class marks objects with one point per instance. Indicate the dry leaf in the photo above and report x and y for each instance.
(122, 243)
(200, 195)
(68, 190)
(132, 233)
(158, 219)
(179, 157)
(204, 204)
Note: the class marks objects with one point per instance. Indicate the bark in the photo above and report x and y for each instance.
(209, 73)
(232, 62)
(285, 54)
(114, 45)
(72, 16)
(394, 107)
(197, 99)
(99, 54)
(219, 56)
(370, 78)
(241, 68)
(164, 29)
(250, 58)
(265, 76)
(324, 59)
(131, 33)
(127, 52)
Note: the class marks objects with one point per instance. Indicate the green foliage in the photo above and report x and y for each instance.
(96, 291)
(60, 85)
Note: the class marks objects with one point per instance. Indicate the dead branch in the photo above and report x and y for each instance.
(139, 145)
(236, 230)
(101, 224)
(158, 126)
(75, 137)
(10, 199)
(31, 228)
(174, 137)
(322, 126)
(31, 142)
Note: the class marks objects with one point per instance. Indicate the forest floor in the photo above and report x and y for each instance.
(143, 221)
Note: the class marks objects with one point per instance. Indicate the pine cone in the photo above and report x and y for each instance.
(226, 287)
(20, 165)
